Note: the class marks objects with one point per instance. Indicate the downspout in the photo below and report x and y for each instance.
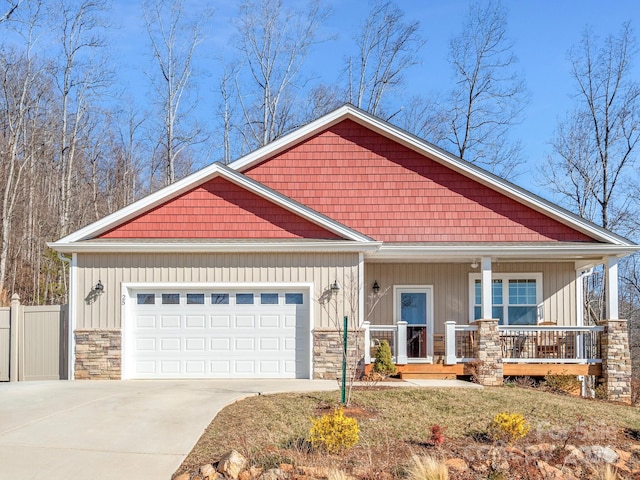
(71, 323)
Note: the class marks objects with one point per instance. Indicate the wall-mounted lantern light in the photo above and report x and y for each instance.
(376, 287)
(335, 287)
(99, 288)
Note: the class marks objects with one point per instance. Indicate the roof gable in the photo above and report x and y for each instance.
(240, 195)
(219, 209)
(394, 194)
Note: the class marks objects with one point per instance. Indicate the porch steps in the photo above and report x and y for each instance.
(427, 376)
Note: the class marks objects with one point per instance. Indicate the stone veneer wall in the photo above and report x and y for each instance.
(98, 354)
(616, 360)
(327, 353)
(489, 369)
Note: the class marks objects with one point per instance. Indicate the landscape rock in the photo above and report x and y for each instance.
(540, 448)
(457, 464)
(598, 453)
(208, 471)
(183, 476)
(551, 472)
(231, 464)
(272, 474)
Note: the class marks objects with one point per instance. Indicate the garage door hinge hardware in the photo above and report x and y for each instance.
(124, 299)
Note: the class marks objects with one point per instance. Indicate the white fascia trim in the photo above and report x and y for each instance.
(291, 205)
(515, 251)
(185, 247)
(421, 146)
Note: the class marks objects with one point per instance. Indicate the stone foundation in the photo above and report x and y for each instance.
(489, 369)
(327, 353)
(616, 360)
(98, 354)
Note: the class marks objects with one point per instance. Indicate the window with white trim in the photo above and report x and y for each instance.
(515, 297)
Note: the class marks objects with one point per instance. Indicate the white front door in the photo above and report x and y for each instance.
(414, 305)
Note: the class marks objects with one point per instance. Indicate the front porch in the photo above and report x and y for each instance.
(523, 350)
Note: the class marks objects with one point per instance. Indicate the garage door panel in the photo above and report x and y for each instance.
(146, 321)
(195, 321)
(220, 367)
(170, 344)
(145, 344)
(220, 321)
(245, 344)
(195, 344)
(199, 340)
(220, 344)
(245, 321)
(170, 321)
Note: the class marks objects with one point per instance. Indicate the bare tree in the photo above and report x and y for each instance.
(488, 96)
(81, 77)
(595, 147)
(174, 38)
(387, 47)
(22, 95)
(273, 42)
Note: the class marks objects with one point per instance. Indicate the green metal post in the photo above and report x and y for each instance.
(344, 362)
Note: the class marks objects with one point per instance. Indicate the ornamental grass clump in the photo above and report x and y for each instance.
(427, 468)
(334, 432)
(509, 427)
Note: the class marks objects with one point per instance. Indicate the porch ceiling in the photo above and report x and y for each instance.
(458, 252)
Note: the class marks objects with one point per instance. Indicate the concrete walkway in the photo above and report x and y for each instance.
(140, 429)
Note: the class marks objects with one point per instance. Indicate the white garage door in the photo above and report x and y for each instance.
(217, 334)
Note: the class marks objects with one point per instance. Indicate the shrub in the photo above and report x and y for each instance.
(508, 426)
(437, 435)
(428, 468)
(334, 432)
(605, 472)
(563, 383)
(383, 363)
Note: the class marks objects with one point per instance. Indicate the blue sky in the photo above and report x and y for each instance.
(542, 31)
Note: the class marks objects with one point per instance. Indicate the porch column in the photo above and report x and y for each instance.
(450, 343)
(616, 360)
(486, 288)
(367, 342)
(611, 267)
(488, 368)
(401, 340)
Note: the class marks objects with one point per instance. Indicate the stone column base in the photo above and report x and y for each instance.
(327, 353)
(616, 361)
(98, 354)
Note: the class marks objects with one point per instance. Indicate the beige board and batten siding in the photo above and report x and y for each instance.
(321, 269)
(451, 289)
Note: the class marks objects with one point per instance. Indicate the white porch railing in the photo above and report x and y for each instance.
(550, 344)
(459, 343)
(395, 335)
(520, 344)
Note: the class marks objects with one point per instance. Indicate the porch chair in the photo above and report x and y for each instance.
(548, 343)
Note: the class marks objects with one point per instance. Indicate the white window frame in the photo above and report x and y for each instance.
(505, 277)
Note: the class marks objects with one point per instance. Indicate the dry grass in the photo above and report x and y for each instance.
(396, 424)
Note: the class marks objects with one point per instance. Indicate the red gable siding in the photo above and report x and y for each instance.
(391, 193)
(219, 209)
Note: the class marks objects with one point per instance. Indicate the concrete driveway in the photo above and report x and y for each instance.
(140, 429)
